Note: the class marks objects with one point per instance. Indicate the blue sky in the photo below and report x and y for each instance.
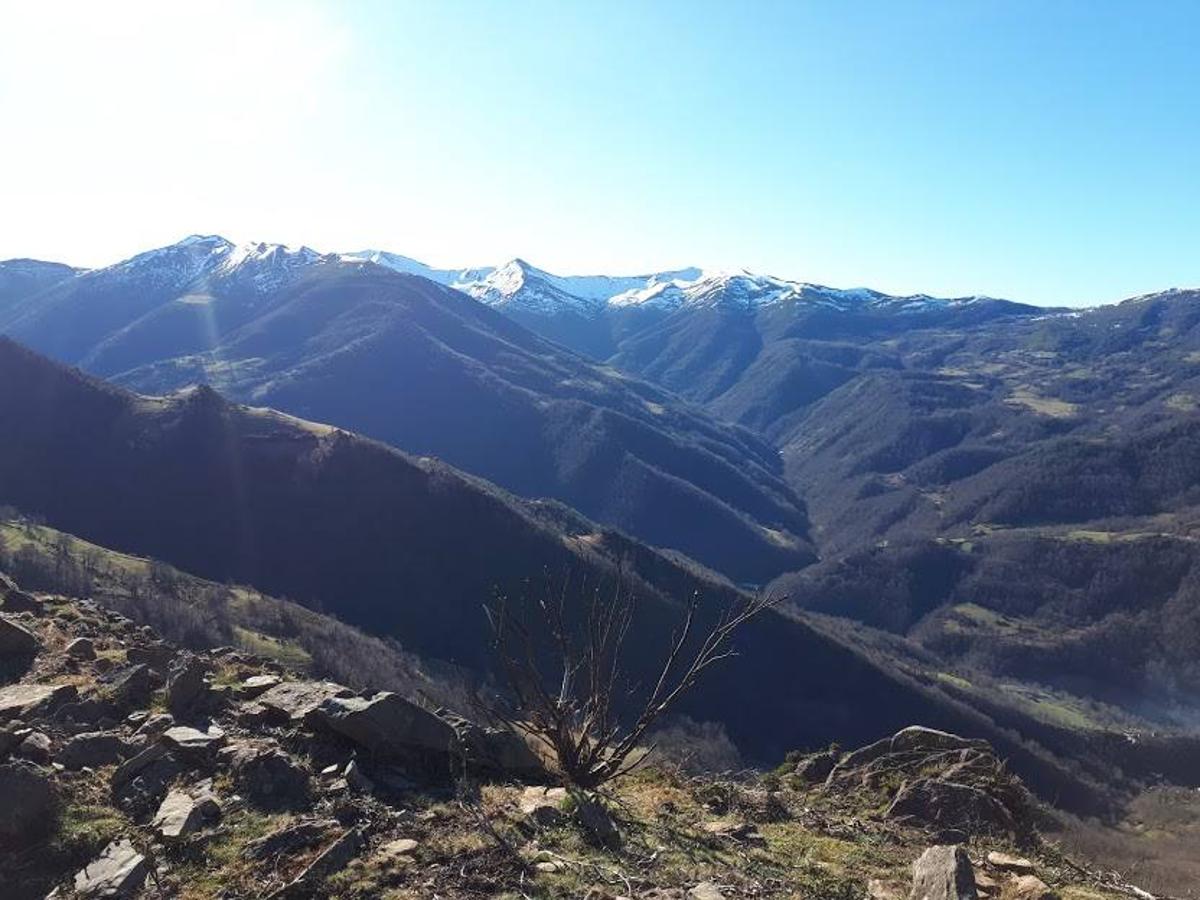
(1042, 151)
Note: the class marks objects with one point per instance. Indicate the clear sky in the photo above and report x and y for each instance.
(1046, 151)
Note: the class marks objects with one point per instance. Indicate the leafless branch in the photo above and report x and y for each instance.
(576, 720)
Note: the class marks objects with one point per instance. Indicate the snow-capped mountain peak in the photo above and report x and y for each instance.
(200, 258)
(519, 287)
(409, 266)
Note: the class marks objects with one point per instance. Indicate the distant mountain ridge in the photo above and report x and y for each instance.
(520, 285)
(428, 369)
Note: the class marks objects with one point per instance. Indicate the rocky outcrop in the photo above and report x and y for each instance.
(949, 805)
(954, 785)
(815, 767)
(294, 700)
(35, 746)
(291, 838)
(141, 781)
(257, 685)
(386, 724)
(241, 749)
(130, 687)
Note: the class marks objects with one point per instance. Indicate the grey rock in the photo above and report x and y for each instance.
(29, 700)
(131, 686)
(815, 767)
(30, 802)
(258, 684)
(94, 749)
(90, 714)
(14, 600)
(252, 714)
(950, 805)
(142, 780)
(596, 821)
(181, 814)
(120, 871)
(129, 769)
(291, 838)
(155, 725)
(82, 648)
(35, 747)
(543, 807)
(355, 778)
(1018, 865)
(705, 890)
(186, 687)
(398, 847)
(186, 738)
(495, 750)
(293, 700)
(154, 656)
(943, 873)
(265, 773)
(16, 641)
(386, 724)
(1028, 887)
(10, 736)
(917, 737)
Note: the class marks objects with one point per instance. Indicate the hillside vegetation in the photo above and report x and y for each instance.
(216, 774)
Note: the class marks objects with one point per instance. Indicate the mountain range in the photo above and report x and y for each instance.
(994, 499)
(410, 548)
(425, 368)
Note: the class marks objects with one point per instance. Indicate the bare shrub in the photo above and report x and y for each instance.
(563, 656)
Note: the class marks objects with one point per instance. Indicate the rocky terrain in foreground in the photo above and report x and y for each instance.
(130, 767)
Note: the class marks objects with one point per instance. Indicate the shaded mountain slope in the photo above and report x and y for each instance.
(398, 545)
(759, 363)
(1059, 419)
(23, 278)
(1110, 614)
(422, 367)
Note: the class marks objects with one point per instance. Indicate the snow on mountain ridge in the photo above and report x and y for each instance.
(516, 286)
(199, 258)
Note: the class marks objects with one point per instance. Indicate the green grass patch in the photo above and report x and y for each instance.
(286, 652)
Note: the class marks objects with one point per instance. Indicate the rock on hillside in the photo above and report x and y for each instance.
(265, 784)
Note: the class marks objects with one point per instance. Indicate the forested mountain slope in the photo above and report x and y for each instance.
(405, 547)
(427, 369)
